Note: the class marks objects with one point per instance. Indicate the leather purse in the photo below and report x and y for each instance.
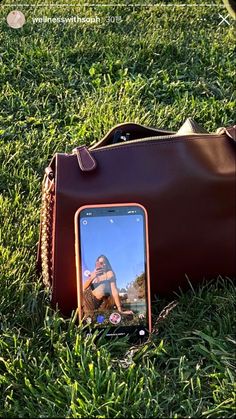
(184, 179)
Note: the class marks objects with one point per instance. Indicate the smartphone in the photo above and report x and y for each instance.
(112, 266)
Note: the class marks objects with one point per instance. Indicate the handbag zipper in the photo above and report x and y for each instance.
(162, 137)
(122, 130)
(86, 157)
(222, 132)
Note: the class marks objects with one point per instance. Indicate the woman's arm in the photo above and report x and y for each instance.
(89, 280)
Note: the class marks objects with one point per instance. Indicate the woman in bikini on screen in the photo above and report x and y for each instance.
(100, 287)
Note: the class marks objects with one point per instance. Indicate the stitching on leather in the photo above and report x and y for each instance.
(158, 142)
(80, 160)
(93, 160)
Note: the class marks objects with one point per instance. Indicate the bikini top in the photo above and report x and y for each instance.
(105, 285)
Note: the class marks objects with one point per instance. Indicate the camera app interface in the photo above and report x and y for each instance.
(113, 264)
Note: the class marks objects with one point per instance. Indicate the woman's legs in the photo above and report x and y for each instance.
(90, 302)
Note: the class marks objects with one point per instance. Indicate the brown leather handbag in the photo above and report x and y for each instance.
(185, 180)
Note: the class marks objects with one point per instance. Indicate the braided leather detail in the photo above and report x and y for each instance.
(46, 234)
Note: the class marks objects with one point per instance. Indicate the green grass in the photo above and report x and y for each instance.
(64, 85)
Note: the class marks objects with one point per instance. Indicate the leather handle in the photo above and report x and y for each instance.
(229, 131)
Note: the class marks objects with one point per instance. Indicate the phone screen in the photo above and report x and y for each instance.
(113, 269)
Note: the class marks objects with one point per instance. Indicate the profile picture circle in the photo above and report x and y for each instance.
(16, 19)
(115, 318)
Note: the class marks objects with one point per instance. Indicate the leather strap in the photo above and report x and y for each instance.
(229, 131)
(48, 182)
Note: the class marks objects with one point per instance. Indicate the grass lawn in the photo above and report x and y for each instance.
(67, 84)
